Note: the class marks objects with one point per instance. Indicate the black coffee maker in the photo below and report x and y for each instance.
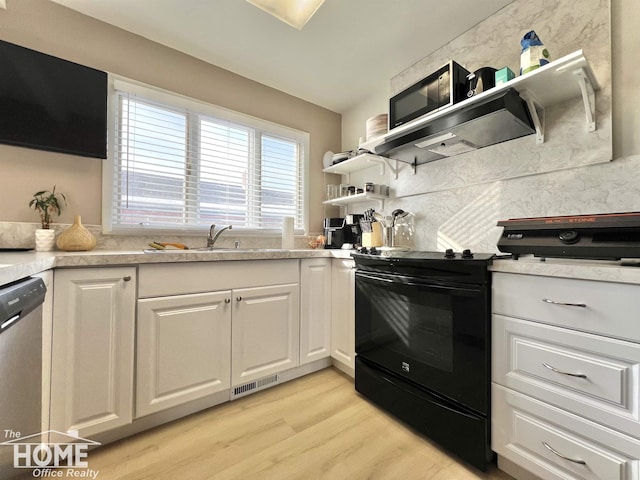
(341, 231)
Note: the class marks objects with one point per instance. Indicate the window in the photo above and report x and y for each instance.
(180, 165)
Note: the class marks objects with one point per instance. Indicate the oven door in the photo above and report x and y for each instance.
(432, 334)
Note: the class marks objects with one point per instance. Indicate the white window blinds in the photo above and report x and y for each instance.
(185, 167)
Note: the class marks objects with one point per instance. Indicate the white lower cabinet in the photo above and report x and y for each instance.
(343, 314)
(205, 332)
(223, 325)
(565, 390)
(92, 349)
(265, 332)
(315, 309)
(183, 349)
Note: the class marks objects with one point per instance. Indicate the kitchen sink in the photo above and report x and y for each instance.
(240, 249)
(215, 250)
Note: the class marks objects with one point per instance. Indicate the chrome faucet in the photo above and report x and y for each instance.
(213, 235)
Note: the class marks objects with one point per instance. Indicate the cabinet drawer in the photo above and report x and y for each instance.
(593, 376)
(611, 309)
(554, 444)
(162, 279)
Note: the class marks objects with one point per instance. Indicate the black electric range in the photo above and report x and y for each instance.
(423, 343)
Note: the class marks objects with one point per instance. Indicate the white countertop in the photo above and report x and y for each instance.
(620, 271)
(17, 265)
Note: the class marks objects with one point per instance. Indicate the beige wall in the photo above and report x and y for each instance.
(50, 28)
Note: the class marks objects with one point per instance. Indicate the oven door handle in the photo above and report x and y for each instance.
(410, 282)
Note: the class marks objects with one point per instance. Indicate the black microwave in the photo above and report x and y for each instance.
(441, 89)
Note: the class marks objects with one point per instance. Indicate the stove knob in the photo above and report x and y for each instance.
(363, 250)
(374, 251)
(448, 253)
(467, 253)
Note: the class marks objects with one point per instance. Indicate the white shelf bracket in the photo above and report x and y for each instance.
(393, 168)
(537, 115)
(588, 98)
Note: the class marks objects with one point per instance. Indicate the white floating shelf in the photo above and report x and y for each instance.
(568, 77)
(361, 162)
(357, 198)
(556, 81)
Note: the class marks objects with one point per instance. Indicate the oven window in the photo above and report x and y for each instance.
(418, 328)
(431, 327)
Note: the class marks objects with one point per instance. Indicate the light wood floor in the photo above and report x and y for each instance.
(315, 427)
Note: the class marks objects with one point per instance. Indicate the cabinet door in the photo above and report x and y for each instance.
(184, 349)
(343, 313)
(92, 350)
(265, 332)
(315, 309)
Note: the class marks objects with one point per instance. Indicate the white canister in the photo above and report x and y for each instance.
(287, 233)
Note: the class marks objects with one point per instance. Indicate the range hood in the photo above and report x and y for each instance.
(467, 126)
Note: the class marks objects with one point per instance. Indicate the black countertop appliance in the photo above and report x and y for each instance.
(607, 236)
(340, 231)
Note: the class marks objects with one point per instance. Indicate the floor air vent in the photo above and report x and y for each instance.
(256, 385)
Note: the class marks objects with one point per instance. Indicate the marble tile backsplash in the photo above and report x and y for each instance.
(495, 42)
(466, 217)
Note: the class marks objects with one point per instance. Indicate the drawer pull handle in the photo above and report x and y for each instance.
(239, 298)
(227, 300)
(127, 278)
(552, 450)
(581, 305)
(554, 369)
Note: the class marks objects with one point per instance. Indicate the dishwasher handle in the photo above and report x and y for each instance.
(19, 298)
(7, 323)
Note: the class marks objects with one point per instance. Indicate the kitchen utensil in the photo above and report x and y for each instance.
(396, 214)
(181, 246)
(378, 217)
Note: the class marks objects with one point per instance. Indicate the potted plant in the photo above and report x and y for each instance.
(47, 203)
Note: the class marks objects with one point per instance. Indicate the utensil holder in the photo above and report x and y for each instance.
(374, 237)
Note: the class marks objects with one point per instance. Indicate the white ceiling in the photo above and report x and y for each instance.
(348, 50)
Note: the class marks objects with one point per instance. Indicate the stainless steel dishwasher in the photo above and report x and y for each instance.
(20, 366)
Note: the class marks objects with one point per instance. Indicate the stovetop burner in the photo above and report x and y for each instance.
(460, 267)
(416, 255)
